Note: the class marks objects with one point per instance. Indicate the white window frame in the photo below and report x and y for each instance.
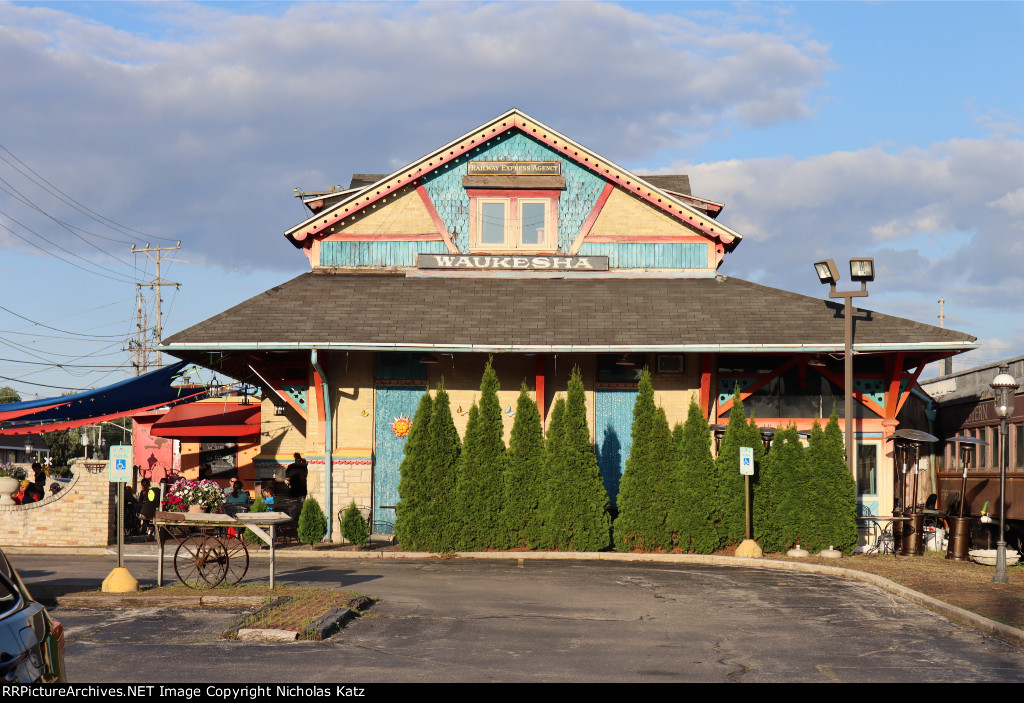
(513, 239)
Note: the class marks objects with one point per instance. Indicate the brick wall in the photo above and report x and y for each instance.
(81, 515)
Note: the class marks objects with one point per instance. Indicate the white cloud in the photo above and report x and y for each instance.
(921, 212)
(202, 132)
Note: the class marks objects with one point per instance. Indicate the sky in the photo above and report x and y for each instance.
(828, 130)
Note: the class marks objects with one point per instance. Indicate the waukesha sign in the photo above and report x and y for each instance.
(518, 263)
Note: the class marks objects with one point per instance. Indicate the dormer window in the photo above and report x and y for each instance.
(521, 221)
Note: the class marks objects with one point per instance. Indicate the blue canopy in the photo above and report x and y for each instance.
(144, 392)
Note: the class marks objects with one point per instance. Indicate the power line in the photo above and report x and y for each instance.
(67, 199)
(55, 329)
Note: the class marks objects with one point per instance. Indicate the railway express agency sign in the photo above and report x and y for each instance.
(510, 263)
(514, 168)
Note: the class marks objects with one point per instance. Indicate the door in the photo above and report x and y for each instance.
(614, 433)
(395, 405)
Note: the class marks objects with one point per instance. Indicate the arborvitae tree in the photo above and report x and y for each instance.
(778, 467)
(312, 523)
(479, 488)
(412, 491)
(796, 501)
(441, 448)
(839, 491)
(354, 527)
(731, 484)
(542, 534)
(695, 512)
(647, 491)
(580, 520)
(523, 480)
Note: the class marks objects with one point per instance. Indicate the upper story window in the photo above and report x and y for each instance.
(520, 221)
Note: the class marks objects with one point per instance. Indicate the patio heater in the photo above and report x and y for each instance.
(1004, 387)
(960, 526)
(908, 450)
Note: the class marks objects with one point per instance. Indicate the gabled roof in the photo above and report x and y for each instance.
(514, 119)
(589, 313)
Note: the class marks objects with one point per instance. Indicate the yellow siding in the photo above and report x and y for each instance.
(402, 213)
(625, 214)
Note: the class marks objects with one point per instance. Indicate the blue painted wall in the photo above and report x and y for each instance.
(444, 186)
(628, 256)
(614, 411)
(391, 402)
(376, 253)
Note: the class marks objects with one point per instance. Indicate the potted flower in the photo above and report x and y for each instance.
(186, 495)
(11, 476)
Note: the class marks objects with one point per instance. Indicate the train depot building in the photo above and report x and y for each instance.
(517, 243)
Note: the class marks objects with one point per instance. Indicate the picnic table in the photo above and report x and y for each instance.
(211, 546)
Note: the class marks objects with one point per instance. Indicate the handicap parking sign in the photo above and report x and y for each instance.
(746, 461)
(120, 464)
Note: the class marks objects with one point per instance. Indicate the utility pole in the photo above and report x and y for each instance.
(947, 363)
(155, 284)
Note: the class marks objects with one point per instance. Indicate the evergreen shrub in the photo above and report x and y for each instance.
(312, 523)
(354, 527)
(523, 479)
(648, 491)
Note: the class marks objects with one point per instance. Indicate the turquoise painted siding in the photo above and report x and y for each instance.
(392, 402)
(376, 253)
(633, 256)
(614, 410)
(444, 186)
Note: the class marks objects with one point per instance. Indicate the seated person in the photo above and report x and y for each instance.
(19, 497)
(236, 494)
(149, 499)
(34, 492)
(268, 494)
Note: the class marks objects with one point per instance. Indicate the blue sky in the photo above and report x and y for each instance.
(832, 129)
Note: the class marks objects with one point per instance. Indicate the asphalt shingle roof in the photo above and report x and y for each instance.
(323, 309)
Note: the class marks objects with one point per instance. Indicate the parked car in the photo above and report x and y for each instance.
(31, 642)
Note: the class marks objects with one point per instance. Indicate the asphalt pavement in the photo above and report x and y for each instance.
(537, 619)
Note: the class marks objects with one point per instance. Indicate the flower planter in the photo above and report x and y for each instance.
(8, 487)
(197, 509)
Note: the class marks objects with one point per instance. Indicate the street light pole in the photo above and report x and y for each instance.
(862, 270)
(1004, 386)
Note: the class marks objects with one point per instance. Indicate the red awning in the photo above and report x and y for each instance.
(208, 420)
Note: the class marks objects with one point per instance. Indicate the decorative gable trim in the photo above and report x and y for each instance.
(301, 235)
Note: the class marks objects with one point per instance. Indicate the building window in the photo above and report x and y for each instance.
(1019, 453)
(514, 221)
(867, 469)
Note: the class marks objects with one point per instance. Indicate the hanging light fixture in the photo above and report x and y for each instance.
(624, 360)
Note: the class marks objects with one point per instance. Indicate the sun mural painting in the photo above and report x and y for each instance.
(401, 426)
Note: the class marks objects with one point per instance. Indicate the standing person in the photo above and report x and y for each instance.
(149, 499)
(295, 475)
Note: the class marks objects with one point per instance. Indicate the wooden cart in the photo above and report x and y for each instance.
(207, 553)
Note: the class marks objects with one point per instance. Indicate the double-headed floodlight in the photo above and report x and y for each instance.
(861, 269)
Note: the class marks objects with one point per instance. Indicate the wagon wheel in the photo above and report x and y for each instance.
(201, 561)
(238, 558)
